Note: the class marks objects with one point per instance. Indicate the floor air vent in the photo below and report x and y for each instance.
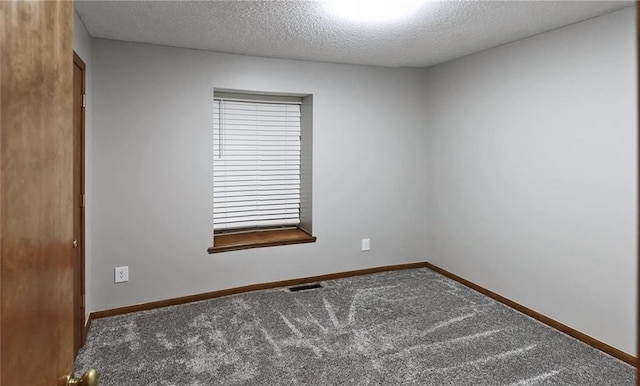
(305, 287)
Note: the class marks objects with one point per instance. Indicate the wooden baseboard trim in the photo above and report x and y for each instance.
(593, 342)
(249, 288)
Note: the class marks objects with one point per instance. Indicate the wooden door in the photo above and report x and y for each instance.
(78, 195)
(36, 192)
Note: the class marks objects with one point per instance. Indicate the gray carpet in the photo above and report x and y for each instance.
(410, 327)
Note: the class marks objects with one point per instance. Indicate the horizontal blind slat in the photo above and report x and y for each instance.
(256, 212)
(250, 202)
(255, 218)
(246, 207)
(268, 190)
(258, 173)
(240, 199)
(252, 224)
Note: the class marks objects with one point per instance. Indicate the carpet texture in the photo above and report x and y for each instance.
(410, 327)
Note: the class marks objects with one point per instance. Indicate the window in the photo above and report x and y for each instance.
(257, 171)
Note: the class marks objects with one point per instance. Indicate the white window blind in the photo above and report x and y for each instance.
(256, 164)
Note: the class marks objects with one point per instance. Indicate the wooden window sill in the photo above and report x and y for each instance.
(259, 239)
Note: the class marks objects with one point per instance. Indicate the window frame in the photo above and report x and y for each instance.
(257, 237)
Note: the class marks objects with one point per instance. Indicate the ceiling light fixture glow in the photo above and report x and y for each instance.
(378, 11)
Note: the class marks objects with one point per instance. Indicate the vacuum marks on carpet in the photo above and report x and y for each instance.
(410, 327)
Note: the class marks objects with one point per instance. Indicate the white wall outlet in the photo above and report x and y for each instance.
(122, 274)
(366, 244)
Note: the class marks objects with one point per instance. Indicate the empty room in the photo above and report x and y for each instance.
(413, 192)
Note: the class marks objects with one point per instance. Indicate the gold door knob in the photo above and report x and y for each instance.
(75, 243)
(90, 378)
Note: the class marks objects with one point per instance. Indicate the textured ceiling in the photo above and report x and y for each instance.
(306, 30)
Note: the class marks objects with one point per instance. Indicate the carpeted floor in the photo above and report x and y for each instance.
(410, 327)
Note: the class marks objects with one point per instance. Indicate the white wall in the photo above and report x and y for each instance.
(152, 165)
(532, 173)
(82, 46)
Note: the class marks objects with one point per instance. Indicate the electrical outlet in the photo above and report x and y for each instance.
(366, 244)
(122, 274)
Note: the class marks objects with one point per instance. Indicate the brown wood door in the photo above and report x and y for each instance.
(36, 192)
(78, 194)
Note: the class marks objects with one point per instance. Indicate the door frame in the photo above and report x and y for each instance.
(638, 198)
(80, 332)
